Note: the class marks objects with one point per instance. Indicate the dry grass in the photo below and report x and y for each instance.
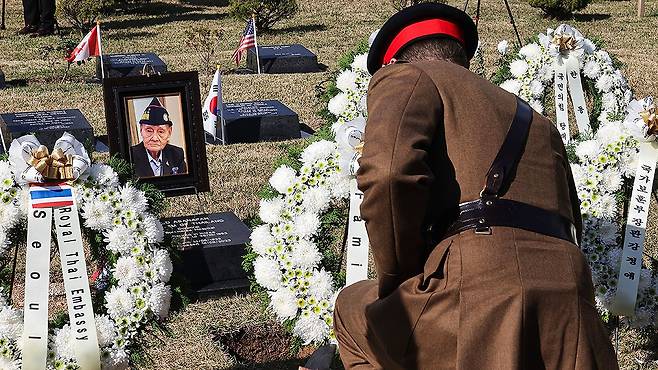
(330, 29)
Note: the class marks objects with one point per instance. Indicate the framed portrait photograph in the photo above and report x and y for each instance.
(155, 124)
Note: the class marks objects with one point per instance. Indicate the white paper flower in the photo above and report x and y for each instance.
(512, 86)
(162, 264)
(518, 68)
(160, 300)
(267, 273)
(346, 81)
(283, 178)
(503, 47)
(270, 210)
(284, 303)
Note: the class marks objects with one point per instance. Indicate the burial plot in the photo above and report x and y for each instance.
(125, 65)
(47, 126)
(283, 59)
(212, 247)
(254, 121)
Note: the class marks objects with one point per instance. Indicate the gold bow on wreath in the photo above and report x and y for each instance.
(564, 42)
(55, 166)
(650, 119)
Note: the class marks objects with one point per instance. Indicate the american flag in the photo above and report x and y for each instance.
(247, 41)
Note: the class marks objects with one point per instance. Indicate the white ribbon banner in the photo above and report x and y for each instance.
(638, 212)
(567, 78)
(357, 239)
(76, 285)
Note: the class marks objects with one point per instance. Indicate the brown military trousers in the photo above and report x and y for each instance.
(511, 300)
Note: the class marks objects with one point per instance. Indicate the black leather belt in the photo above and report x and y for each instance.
(490, 210)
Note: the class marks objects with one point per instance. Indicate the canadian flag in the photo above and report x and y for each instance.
(90, 46)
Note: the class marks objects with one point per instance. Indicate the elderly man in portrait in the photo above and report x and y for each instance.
(154, 156)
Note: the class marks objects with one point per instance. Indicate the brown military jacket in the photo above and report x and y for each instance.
(511, 300)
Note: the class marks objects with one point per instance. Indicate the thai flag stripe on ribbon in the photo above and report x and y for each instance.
(51, 196)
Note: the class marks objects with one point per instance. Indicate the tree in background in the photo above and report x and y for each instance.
(401, 4)
(267, 12)
(559, 8)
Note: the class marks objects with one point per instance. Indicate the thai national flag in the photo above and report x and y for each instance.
(51, 196)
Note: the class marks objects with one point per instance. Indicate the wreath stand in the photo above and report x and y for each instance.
(509, 13)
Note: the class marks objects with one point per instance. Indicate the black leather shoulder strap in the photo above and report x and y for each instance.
(504, 166)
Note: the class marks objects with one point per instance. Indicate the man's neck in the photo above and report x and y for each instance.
(154, 155)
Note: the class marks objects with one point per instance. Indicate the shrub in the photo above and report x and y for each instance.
(81, 14)
(559, 8)
(267, 12)
(401, 4)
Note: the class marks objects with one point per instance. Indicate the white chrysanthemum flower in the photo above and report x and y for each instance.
(9, 364)
(589, 46)
(608, 231)
(339, 184)
(338, 104)
(609, 133)
(512, 86)
(267, 273)
(518, 68)
(603, 56)
(536, 88)
(119, 239)
(503, 47)
(591, 69)
(305, 254)
(153, 229)
(311, 328)
(546, 73)
(589, 149)
(346, 81)
(283, 178)
(63, 343)
(360, 63)
(104, 175)
(105, 330)
(127, 271)
(97, 214)
(162, 264)
(284, 303)
(270, 210)
(117, 359)
(4, 243)
(119, 302)
(606, 206)
(5, 172)
(605, 83)
(609, 101)
(307, 224)
(160, 300)
(316, 199)
(322, 285)
(11, 322)
(262, 239)
(10, 215)
(612, 180)
(132, 198)
(531, 51)
(578, 174)
(319, 150)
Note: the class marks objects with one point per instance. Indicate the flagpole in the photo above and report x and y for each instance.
(220, 104)
(100, 49)
(253, 19)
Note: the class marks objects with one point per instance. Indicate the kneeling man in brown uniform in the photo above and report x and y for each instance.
(472, 215)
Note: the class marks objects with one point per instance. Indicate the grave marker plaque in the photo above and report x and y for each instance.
(47, 126)
(283, 59)
(212, 247)
(254, 121)
(125, 65)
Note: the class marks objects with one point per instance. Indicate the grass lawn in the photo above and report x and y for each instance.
(328, 28)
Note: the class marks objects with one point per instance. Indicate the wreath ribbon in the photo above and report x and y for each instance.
(54, 200)
(567, 46)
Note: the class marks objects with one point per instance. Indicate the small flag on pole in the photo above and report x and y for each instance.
(213, 107)
(247, 41)
(89, 47)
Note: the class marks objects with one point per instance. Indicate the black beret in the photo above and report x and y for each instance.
(155, 115)
(419, 22)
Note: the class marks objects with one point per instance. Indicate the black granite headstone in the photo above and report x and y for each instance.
(254, 121)
(47, 126)
(3, 84)
(124, 65)
(212, 249)
(283, 59)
